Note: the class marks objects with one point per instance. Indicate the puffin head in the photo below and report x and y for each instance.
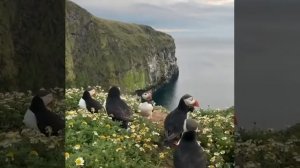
(91, 90)
(147, 96)
(46, 96)
(188, 102)
(88, 93)
(114, 92)
(37, 105)
(190, 125)
(190, 128)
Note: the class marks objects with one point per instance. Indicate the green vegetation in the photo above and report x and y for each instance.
(94, 140)
(268, 148)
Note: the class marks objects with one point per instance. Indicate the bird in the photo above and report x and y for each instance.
(29, 117)
(87, 102)
(189, 154)
(174, 121)
(117, 108)
(46, 119)
(146, 105)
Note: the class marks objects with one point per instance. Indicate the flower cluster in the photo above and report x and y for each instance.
(267, 148)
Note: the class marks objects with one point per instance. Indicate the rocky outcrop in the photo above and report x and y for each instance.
(104, 52)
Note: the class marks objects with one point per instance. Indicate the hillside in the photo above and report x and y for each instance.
(31, 44)
(104, 52)
(100, 142)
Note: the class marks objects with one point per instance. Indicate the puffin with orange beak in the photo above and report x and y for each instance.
(146, 105)
(174, 121)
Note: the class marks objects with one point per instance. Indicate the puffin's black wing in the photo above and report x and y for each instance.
(174, 124)
(119, 109)
(45, 117)
(92, 103)
(53, 120)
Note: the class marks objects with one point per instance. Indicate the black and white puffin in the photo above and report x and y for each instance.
(189, 154)
(29, 117)
(146, 105)
(117, 108)
(87, 102)
(44, 117)
(174, 121)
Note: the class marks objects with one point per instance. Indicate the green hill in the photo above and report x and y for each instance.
(104, 52)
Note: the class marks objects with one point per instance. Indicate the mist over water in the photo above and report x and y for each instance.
(206, 71)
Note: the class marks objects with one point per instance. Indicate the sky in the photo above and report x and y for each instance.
(183, 17)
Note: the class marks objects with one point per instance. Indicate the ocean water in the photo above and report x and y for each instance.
(206, 71)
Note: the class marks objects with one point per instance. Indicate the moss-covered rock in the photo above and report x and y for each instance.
(105, 52)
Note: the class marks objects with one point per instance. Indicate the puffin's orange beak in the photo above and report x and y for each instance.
(196, 104)
(150, 96)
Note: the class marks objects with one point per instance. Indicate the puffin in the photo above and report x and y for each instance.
(87, 102)
(189, 154)
(174, 121)
(44, 117)
(29, 117)
(146, 105)
(117, 108)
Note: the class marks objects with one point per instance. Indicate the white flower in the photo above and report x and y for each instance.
(94, 143)
(69, 117)
(79, 161)
(77, 147)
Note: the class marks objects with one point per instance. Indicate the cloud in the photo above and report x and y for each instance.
(122, 3)
(216, 2)
(173, 30)
(180, 18)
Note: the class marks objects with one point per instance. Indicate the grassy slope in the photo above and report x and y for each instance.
(105, 52)
(103, 143)
(268, 148)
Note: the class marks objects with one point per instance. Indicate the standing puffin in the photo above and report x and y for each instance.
(87, 102)
(117, 108)
(44, 117)
(189, 154)
(146, 105)
(174, 121)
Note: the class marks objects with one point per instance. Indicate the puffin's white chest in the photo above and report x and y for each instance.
(145, 107)
(30, 120)
(82, 103)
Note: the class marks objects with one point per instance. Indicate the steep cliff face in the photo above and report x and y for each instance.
(104, 52)
(32, 44)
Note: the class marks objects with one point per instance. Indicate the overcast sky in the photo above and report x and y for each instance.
(184, 17)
